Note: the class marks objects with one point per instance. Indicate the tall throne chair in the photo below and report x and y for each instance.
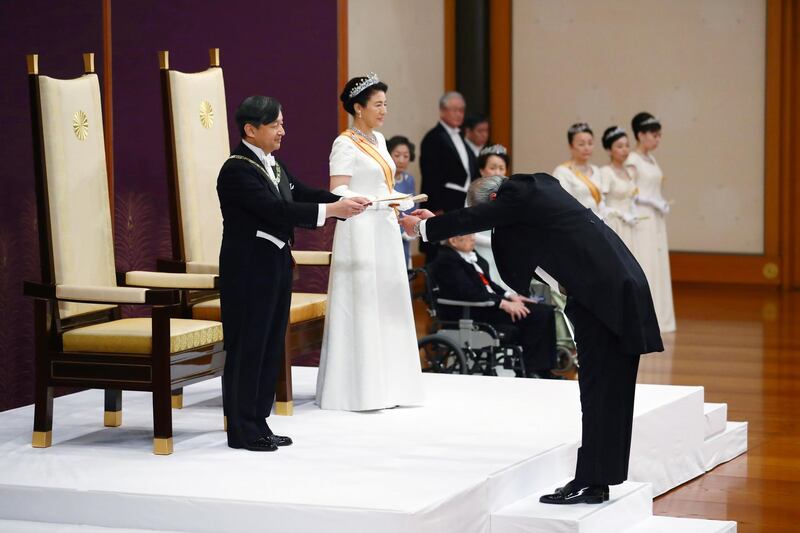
(80, 338)
(197, 145)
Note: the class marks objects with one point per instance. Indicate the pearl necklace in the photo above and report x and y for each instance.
(372, 138)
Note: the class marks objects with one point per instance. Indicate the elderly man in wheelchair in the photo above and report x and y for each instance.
(492, 327)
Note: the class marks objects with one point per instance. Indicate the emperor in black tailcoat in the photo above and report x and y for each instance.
(256, 281)
(538, 224)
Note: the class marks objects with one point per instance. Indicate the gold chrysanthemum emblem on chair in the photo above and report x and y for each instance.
(80, 125)
(206, 114)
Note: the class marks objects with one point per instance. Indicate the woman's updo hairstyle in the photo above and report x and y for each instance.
(644, 122)
(400, 140)
(497, 150)
(364, 87)
(578, 127)
(612, 135)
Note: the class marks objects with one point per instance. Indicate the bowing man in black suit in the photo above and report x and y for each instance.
(538, 224)
(261, 204)
(462, 274)
(447, 165)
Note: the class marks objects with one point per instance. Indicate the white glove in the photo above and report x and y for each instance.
(628, 219)
(345, 192)
(658, 204)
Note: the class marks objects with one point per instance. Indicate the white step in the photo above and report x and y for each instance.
(21, 526)
(667, 524)
(716, 415)
(629, 504)
(723, 447)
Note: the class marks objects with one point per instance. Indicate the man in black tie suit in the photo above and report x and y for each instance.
(462, 274)
(538, 224)
(261, 204)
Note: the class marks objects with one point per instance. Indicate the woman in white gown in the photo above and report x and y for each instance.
(579, 177)
(492, 161)
(652, 249)
(369, 357)
(621, 187)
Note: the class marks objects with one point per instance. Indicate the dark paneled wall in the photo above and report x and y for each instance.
(282, 49)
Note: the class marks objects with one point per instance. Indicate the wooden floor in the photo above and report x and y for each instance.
(743, 346)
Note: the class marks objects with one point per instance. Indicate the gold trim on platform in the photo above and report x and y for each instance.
(284, 408)
(177, 401)
(33, 63)
(42, 439)
(112, 419)
(162, 446)
(213, 57)
(163, 59)
(88, 62)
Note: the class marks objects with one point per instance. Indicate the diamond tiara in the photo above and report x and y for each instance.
(495, 149)
(369, 81)
(614, 132)
(579, 127)
(649, 121)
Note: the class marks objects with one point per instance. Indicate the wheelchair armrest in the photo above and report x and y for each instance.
(462, 303)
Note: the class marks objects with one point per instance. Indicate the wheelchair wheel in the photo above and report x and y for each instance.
(441, 356)
(565, 359)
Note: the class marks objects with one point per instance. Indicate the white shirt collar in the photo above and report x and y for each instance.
(469, 257)
(268, 160)
(451, 130)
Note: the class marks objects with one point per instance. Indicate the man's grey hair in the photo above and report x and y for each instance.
(447, 96)
(482, 188)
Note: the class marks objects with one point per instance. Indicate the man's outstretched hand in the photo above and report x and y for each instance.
(407, 222)
(424, 214)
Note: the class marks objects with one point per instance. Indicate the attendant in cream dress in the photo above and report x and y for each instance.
(652, 249)
(492, 161)
(621, 187)
(579, 177)
(369, 357)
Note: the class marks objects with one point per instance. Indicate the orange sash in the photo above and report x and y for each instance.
(586, 181)
(366, 147)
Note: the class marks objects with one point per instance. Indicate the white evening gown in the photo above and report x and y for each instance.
(369, 357)
(652, 249)
(619, 203)
(574, 185)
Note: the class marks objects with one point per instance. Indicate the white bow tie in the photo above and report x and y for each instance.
(471, 257)
(269, 160)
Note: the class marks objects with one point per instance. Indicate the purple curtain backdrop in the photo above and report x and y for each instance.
(60, 32)
(283, 49)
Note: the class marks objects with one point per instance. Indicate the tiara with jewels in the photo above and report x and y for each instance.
(616, 131)
(579, 127)
(369, 81)
(651, 120)
(495, 149)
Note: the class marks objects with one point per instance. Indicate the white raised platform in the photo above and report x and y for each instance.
(480, 448)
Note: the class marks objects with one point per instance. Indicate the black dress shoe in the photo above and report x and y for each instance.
(280, 440)
(572, 493)
(261, 444)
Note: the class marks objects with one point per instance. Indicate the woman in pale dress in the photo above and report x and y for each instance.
(369, 357)
(579, 177)
(621, 186)
(492, 161)
(652, 249)
(402, 152)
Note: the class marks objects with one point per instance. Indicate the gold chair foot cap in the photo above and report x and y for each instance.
(177, 401)
(225, 422)
(42, 439)
(284, 408)
(112, 419)
(162, 446)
